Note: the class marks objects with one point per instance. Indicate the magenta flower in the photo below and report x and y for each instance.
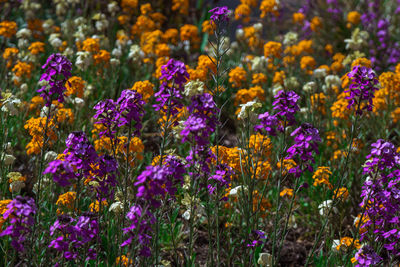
(219, 14)
(55, 67)
(361, 89)
(20, 212)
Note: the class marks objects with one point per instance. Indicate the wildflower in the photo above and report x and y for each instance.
(75, 236)
(362, 88)
(140, 229)
(35, 127)
(181, 5)
(8, 28)
(316, 24)
(75, 85)
(66, 202)
(145, 88)
(169, 97)
(55, 66)
(321, 176)
(36, 48)
(17, 181)
(353, 17)
(298, 18)
(325, 206)
(20, 212)
(286, 106)
(286, 192)
(347, 243)
(130, 106)
(273, 49)
(247, 110)
(269, 6)
(237, 76)
(242, 12)
(341, 193)
(306, 138)
(219, 14)
(190, 33)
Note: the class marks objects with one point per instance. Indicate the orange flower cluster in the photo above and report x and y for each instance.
(237, 77)
(8, 28)
(66, 202)
(36, 129)
(145, 88)
(75, 86)
(245, 95)
(321, 176)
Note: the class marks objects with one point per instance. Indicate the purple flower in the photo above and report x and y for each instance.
(169, 97)
(268, 123)
(219, 14)
(362, 88)
(62, 172)
(220, 179)
(156, 181)
(286, 106)
(56, 65)
(107, 114)
(366, 256)
(257, 238)
(130, 105)
(140, 229)
(20, 212)
(306, 139)
(383, 156)
(75, 236)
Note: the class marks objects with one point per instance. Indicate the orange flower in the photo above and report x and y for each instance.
(8, 28)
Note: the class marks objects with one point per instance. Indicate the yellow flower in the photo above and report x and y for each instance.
(95, 207)
(321, 176)
(91, 45)
(269, 6)
(347, 243)
(341, 193)
(259, 78)
(242, 12)
(298, 18)
(189, 32)
(3, 209)
(36, 48)
(75, 85)
(8, 28)
(316, 24)
(35, 127)
(145, 88)
(182, 6)
(272, 49)
(65, 202)
(353, 17)
(286, 192)
(237, 76)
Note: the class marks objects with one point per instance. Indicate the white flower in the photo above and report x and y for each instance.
(11, 105)
(55, 41)
(114, 62)
(325, 206)
(79, 102)
(116, 207)
(309, 87)
(290, 38)
(265, 259)
(9, 159)
(291, 83)
(332, 80)
(50, 156)
(16, 186)
(83, 60)
(335, 243)
(186, 215)
(319, 73)
(113, 7)
(239, 33)
(258, 27)
(24, 33)
(116, 52)
(135, 53)
(194, 88)
(248, 110)
(236, 190)
(259, 64)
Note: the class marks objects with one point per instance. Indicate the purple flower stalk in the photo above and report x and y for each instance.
(286, 106)
(169, 97)
(56, 65)
(107, 114)
(268, 123)
(306, 139)
(381, 200)
(157, 181)
(362, 88)
(219, 14)
(140, 229)
(75, 236)
(130, 109)
(20, 212)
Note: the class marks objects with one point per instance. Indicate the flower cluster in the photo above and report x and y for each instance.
(219, 14)
(20, 212)
(75, 236)
(362, 88)
(55, 66)
(174, 77)
(306, 139)
(140, 229)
